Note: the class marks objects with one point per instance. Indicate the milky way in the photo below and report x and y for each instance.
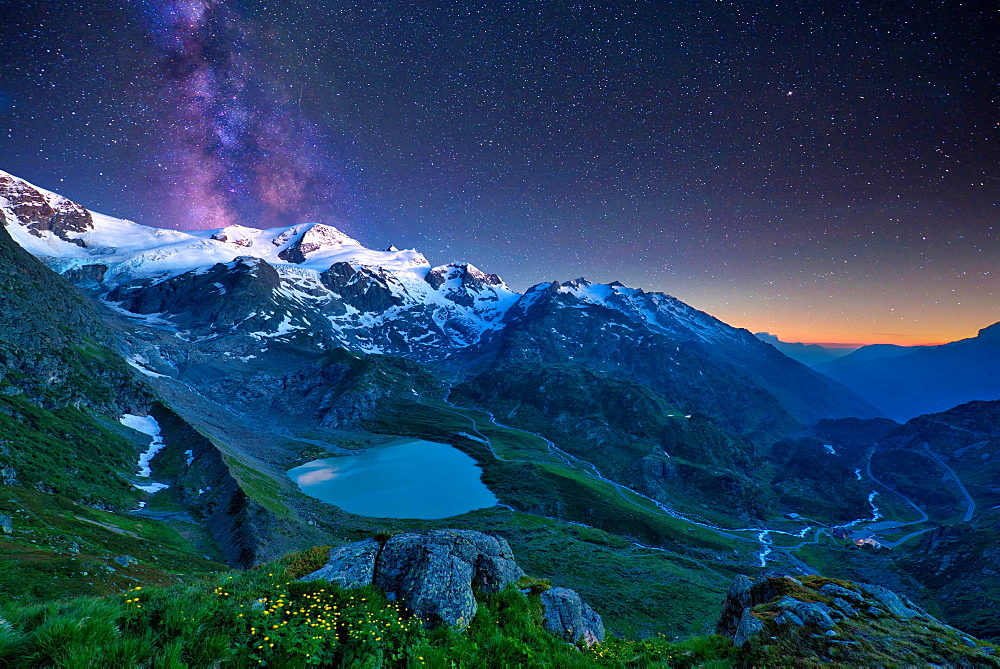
(237, 150)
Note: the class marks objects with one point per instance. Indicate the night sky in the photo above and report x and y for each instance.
(826, 171)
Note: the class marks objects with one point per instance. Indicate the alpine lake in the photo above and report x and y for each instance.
(405, 478)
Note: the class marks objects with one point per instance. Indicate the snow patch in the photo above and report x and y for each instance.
(152, 487)
(148, 426)
(139, 363)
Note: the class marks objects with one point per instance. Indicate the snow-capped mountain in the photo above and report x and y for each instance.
(309, 280)
(239, 292)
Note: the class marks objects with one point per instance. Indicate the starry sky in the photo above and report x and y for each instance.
(825, 171)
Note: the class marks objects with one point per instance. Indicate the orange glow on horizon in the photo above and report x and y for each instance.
(859, 344)
(840, 330)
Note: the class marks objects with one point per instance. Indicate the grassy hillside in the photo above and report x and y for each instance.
(264, 617)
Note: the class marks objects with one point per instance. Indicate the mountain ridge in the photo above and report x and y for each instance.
(906, 382)
(326, 290)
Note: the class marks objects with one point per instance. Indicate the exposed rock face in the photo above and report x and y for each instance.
(897, 605)
(747, 626)
(436, 574)
(569, 617)
(224, 296)
(366, 288)
(815, 619)
(807, 613)
(313, 238)
(433, 574)
(88, 275)
(462, 280)
(39, 214)
(244, 530)
(350, 566)
(737, 601)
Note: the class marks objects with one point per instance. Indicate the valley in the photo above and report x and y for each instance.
(158, 388)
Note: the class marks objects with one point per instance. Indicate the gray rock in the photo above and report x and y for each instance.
(350, 566)
(434, 574)
(124, 560)
(748, 626)
(567, 616)
(789, 618)
(845, 606)
(6, 524)
(737, 600)
(87, 275)
(834, 590)
(892, 602)
(811, 613)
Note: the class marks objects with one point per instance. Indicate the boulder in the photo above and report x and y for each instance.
(834, 590)
(893, 603)
(810, 613)
(789, 618)
(350, 566)
(747, 626)
(434, 574)
(817, 622)
(737, 601)
(568, 616)
(6, 524)
(845, 606)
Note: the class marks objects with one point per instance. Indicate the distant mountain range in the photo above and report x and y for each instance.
(908, 381)
(807, 354)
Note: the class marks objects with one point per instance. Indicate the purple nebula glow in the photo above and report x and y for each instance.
(237, 148)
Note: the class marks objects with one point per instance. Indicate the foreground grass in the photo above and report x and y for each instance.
(265, 617)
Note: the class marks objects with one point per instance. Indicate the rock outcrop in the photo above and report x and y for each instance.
(42, 213)
(567, 616)
(350, 566)
(433, 574)
(436, 575)
(815, 619)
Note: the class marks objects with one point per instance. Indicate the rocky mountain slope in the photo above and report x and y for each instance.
(816, 620)
(68, 465)
(948, 464)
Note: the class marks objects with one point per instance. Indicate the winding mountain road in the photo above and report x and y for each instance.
(971, 505)
(761, 536)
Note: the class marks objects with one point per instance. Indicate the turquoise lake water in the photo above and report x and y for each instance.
(406, 478)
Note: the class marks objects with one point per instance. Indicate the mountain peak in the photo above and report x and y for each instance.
(305, 238)
(42, 213)
(240, 235)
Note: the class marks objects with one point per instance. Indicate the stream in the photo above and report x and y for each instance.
(762, 536)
